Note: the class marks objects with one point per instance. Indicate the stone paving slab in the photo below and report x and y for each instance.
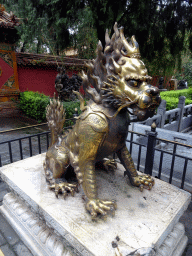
(2, 240)
(3, 190)
(21, 249)
(8, 233)
(10, 243)
(186, 219)
(7, 123)
(6, 250)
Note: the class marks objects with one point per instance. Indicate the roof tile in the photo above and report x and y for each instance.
(31, 59)
(7, 20)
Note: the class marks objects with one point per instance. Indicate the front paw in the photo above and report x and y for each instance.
(98, 206)
(110, 165)
(142, 181)
(64, 188)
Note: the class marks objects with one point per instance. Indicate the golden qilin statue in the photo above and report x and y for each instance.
(117, 84)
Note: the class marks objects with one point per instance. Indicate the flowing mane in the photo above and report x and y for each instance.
(99, 81)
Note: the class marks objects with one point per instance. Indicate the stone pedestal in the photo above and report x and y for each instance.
(145, 223)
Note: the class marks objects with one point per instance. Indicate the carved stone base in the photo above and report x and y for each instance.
(175, 242)
(145, 223)
(32, 229)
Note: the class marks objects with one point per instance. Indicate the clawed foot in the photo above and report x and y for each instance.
(98, 206)
(64, 188)
(110, 165)
(142, 181)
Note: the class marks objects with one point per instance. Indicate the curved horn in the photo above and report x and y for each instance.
(116, 29)
(132, 50)
(107, 38)
(117, 67)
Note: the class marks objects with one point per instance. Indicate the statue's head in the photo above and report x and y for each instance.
(118, 78)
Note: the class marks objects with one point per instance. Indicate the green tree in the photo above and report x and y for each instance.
(85, 34)
(43, 24)
(32, 26)
(160, 26)
(105, 13)
(60, 16)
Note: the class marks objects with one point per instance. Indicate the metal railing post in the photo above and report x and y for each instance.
(75, 115)
(161, 111)
(152, 135)
(181, 105)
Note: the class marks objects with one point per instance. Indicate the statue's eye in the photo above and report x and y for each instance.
(133, 83)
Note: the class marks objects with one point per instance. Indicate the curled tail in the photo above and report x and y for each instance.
(55, 115)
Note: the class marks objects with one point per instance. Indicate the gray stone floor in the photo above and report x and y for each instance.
(10, 243)
(186, 219)
(15, 123)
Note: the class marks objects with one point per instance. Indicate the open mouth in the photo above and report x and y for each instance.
(142, 114)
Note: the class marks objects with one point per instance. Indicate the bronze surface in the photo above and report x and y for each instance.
(117, 84)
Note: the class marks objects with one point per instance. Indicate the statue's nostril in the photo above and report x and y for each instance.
(158, 99)
(148, 91)
(146, 100)
(154, 91)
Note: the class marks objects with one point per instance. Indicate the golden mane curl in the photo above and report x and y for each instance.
(108, 65)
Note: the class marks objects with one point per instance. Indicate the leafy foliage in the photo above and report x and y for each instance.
(105, 13)
(185, 92)
(40, 29)
(160, 27)
(187, 73)
(172, 97)
(34, 104)
(32, 26)
(86, 35)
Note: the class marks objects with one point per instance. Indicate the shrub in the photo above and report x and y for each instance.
(185, 92)
(70, 111)
(34, 104)
(171, 103)
(172, 97)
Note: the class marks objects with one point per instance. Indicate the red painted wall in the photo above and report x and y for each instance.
(155, 81)
(43, 80)
(38, 79)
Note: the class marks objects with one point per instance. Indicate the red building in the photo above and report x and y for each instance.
(9, 87)
(20, 72)
(37, 72)
(24, 71)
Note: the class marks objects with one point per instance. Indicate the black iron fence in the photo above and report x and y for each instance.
(164, 159)
(20, 148)
(26, 146)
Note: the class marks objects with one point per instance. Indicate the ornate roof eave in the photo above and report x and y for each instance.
(8, 20)
(41, 60)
